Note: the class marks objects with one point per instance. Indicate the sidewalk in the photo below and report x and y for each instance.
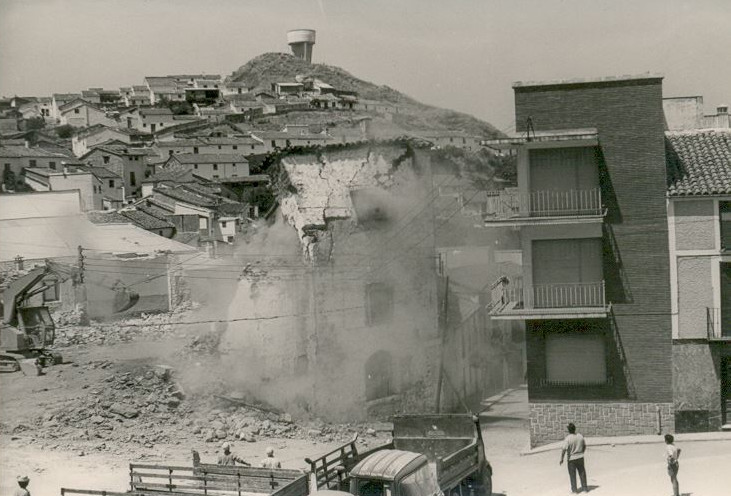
(646, 439)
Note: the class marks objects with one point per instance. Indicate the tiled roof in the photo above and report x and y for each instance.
(103, 173)
(107, 217)
(145, 220)
(210, 158)
(184, 196)
(156, 111)
(17, 151)
(699, 162)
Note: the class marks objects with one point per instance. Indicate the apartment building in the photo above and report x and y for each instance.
(699, 224)
(590, 212)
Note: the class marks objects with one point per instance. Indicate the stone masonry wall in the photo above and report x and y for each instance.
(548, 420)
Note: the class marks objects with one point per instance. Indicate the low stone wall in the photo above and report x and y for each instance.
(548, 420)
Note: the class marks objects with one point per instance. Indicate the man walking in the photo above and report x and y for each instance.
(672, 453)
(574, 447)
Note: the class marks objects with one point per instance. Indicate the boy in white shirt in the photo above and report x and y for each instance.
(672, 453)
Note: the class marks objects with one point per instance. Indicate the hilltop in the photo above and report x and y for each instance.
(262, 71)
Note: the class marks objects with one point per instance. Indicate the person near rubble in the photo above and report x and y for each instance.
(228, 458)
(270, 461)
(23, 482)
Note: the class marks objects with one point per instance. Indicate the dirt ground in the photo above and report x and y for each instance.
(61, 431)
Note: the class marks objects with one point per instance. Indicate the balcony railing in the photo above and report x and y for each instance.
(508, 205)
(714, 322)
(509, 298)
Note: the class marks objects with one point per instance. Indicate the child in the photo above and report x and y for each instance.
(672, 453)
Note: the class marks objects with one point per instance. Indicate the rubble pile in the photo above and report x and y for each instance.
(151, 326)
(142, 406)
(202, 344)
(145, 406)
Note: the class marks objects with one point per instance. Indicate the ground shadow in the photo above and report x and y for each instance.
(591, 488)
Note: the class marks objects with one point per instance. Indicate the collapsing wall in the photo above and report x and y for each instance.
(342, 320)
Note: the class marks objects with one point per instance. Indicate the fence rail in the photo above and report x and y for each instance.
(510, 205)
(565, 295)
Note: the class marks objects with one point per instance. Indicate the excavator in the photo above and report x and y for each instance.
(28, 331)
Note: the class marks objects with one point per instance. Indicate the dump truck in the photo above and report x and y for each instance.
(429, 455)
(204, 479)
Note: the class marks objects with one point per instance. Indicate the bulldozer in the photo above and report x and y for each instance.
(28, 332)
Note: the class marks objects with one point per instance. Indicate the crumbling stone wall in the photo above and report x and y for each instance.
(303, 328)
(697, 387)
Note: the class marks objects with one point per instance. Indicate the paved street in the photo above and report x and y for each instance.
(620, 470)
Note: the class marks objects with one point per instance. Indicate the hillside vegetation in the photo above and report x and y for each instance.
(269, 68)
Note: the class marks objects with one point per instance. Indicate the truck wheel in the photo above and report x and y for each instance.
(487, 483)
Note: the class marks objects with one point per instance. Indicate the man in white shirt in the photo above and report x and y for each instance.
(672, 453)
(574, 447)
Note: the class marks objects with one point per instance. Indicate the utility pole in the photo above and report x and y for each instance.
(81, 265)
(443, 332)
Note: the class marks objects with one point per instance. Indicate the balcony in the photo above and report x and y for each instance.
(512, 301)
(715, 325)
(511, 208)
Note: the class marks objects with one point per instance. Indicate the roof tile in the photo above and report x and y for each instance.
(699, 162)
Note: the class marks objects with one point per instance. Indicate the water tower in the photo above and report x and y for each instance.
(301, 41)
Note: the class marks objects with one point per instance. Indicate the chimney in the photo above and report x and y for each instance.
(18, 263)
(722, 109)
(26, 143)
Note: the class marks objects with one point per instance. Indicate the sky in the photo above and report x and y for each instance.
(458, 54)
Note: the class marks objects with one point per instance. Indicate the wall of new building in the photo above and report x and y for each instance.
(629, 118)
(86, 116)
(221, 170)
(696, 257)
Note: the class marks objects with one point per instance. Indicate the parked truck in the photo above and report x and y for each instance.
(429, 455)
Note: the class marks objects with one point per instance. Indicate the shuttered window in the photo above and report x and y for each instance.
(576, 359)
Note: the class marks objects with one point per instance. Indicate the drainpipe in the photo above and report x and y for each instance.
(659, 420)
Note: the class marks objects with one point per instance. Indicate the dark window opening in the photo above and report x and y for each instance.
(379, 303)
(32, 163)
(378, 376)
(215, 167)
(52, 165)
(132, 179)
(725, 216)
(111, 183)
(105, 159)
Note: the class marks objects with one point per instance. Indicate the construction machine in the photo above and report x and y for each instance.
(27, 331)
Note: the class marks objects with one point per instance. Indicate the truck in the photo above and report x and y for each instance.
(429, 455)
(204, 480)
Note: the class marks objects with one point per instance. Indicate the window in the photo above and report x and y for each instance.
(233, 165)
(195, 166)
(52, 165)
(223, 223)
(144, 124)
(6, 167)
(287, 143)
(379, 303)
(274, 144)
(576, 359)
(111, 183)
(219, 147)
(195, 149)
(105, 159)
(215, 167)
(215, 176)
(378, 379)
(31, 163)
(725, 216)
(252, 147)
(132, 179)
(235, 147)
(52, 292)
(170, 153)
(76, 111)
(161, 124)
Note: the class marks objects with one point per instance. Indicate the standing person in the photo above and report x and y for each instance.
(270, 461)
(23, 482)
(574, 447)
(672, 453)
(228, 458)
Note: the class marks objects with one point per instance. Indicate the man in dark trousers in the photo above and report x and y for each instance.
(574, 447)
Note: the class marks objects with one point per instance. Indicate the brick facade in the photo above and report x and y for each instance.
(548, 420)
(628, 116)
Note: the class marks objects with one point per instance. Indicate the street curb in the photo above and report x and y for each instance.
(680, 438)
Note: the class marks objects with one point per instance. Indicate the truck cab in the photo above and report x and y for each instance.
(392, 472)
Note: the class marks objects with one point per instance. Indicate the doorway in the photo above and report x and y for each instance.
(726, 389)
